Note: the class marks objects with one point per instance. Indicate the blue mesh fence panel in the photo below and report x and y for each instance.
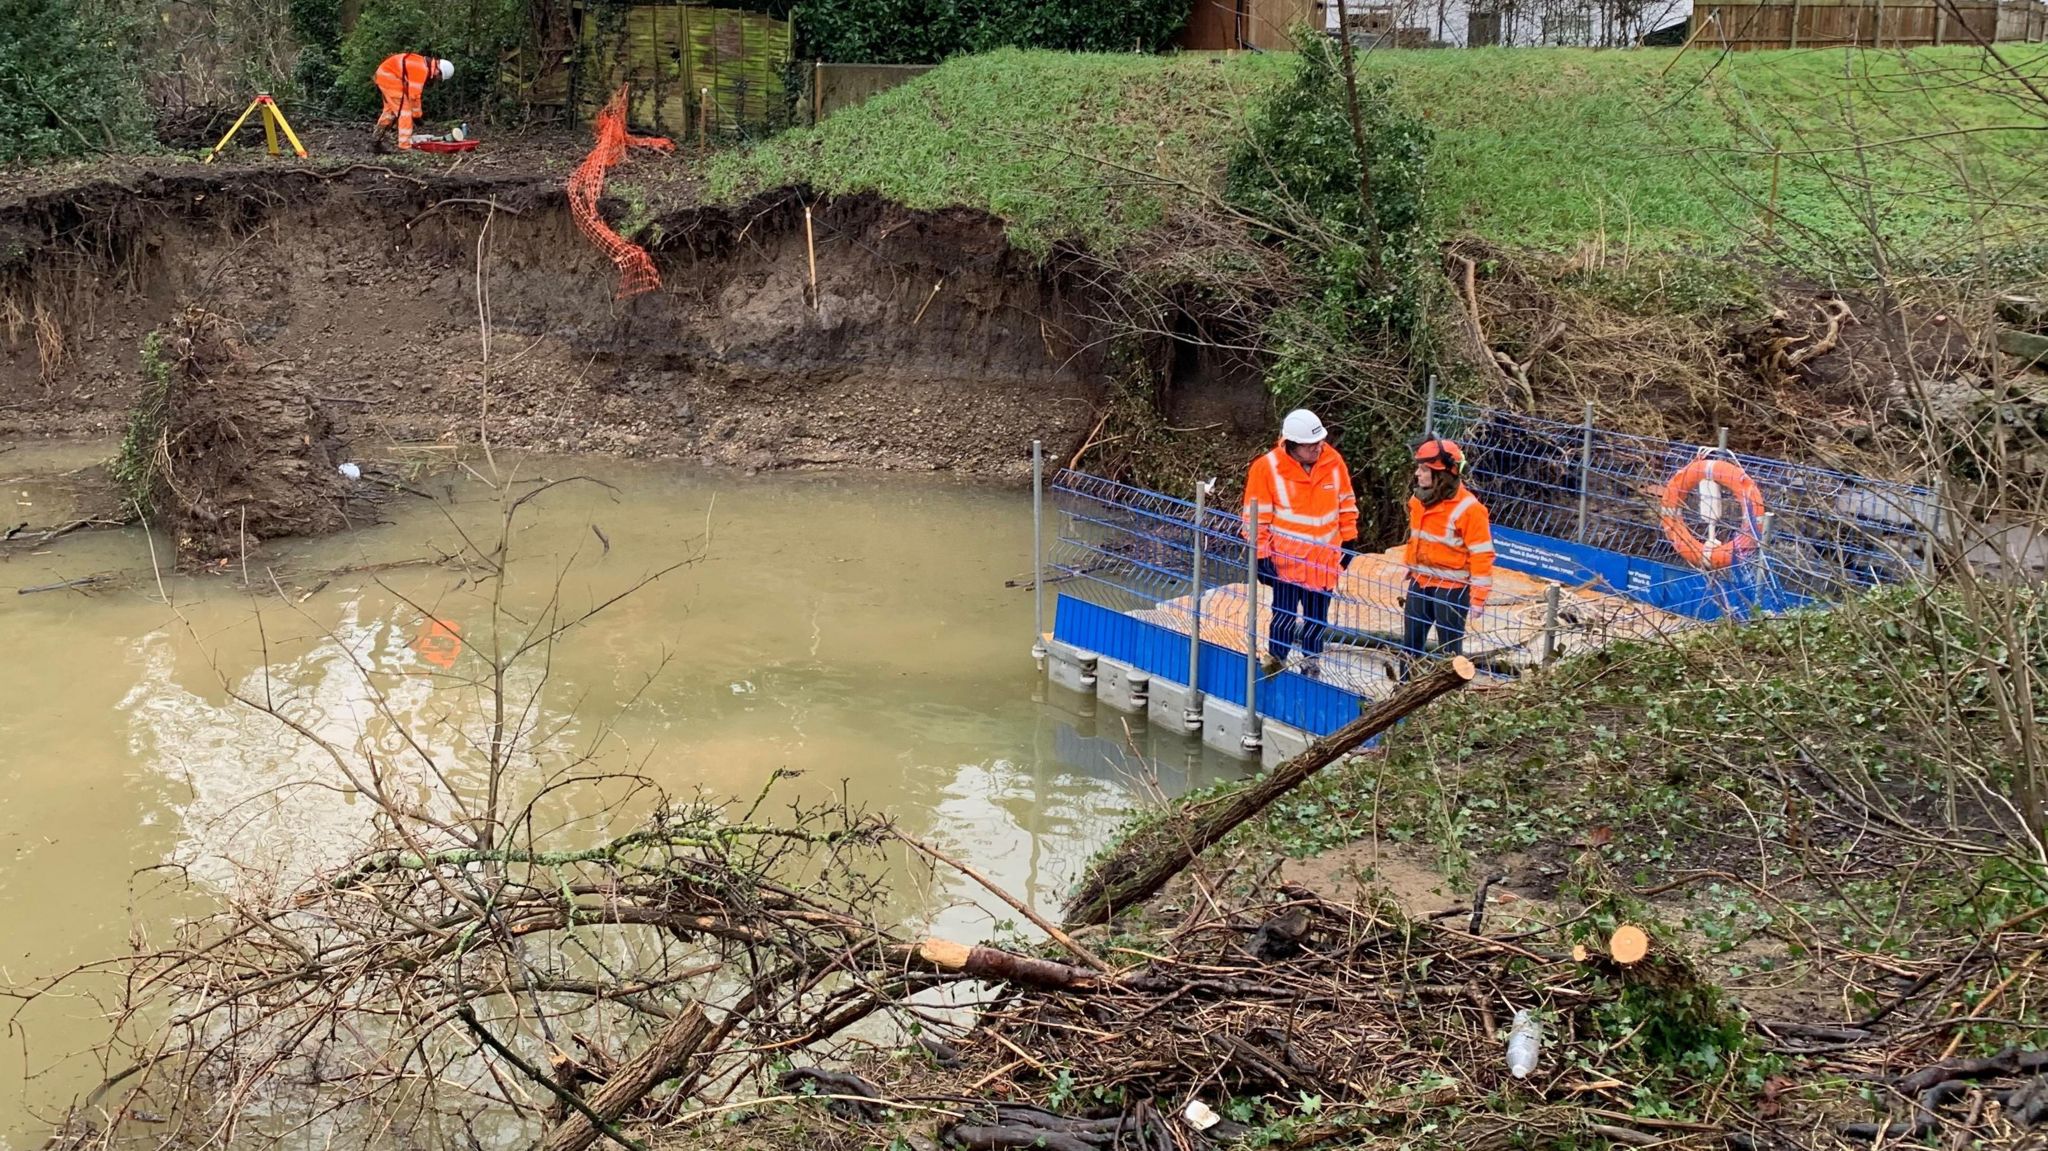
(1122, 560)
(1826, 535)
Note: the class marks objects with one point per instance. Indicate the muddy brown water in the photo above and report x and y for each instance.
(854, 627)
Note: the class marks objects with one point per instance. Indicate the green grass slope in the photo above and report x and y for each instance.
(1547, 148)
(1933, 150)
(1062, 146)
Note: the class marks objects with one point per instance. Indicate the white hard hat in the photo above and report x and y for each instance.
(447, 69)
(1302, 427)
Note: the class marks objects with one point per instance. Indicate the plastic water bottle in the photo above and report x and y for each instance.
(1524, 1038)
(461, 131)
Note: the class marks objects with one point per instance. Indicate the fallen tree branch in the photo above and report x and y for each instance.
(1043, 924)
(991, 963)
(1143, 865)
(567, 1097)
(663, 1059)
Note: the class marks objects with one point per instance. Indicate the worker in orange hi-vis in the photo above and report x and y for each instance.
(403, 79)
(1306, 511)
(1449, 555)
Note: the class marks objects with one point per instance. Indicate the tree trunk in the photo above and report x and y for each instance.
(1142, 866)
(1008, 967)
(1372, 220)
(663, 1060)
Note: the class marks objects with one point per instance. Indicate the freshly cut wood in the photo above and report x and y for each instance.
(1139, 868)
(664, 1059)
(1008, 967)
(1628, 945)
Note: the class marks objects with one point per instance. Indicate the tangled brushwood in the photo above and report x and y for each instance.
(224, 452)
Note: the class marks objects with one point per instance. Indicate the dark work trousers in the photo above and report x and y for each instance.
(1301, 616)
(1441, 608)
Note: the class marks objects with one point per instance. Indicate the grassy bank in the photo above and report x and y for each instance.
(1542, 148)
(1063, 146)
(1800, 796)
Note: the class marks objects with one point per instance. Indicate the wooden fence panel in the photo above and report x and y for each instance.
(674, 56)
(1826, 25)
(1268, 22)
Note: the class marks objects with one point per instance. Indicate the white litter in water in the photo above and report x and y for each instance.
(352, 471)
(743, 687)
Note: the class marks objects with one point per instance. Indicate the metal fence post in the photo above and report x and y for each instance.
(1550, 598)
(1585, 470)
(1429, 409)
(1251, 626)
(1193, 715)
(1721, 438)
(1933, 530)
(1038, 549)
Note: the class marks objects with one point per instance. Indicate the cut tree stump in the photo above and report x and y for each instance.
(1628, 945)
(1143, 864)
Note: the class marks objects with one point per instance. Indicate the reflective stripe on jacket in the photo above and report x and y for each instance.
(1304, 514)
(403, 76)
(1450, 545)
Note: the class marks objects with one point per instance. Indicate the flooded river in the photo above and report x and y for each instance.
(855, 628)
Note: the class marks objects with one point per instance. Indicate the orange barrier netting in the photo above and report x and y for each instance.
(586, 187)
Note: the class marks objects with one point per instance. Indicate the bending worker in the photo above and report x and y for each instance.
(403, 79)
(1450, 553)
(1307, 510)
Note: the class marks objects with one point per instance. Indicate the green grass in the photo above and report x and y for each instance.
(1545, 148)
(1752, 750)
(1023, 135)
(1535, 148)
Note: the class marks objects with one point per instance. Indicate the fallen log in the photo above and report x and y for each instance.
(1138, 869)
(1003, 966)
(664, 1059)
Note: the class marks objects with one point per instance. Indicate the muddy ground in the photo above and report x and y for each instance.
(448, 300)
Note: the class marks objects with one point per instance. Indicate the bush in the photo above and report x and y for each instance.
(1357, 323)
(927, 31)
(69, 82)
(316, 25)
(475, 37)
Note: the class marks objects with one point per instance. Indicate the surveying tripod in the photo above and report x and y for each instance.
(273, 122)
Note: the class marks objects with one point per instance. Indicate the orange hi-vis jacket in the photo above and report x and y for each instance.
(1450, 544)
(1305, 514)
(403, 78)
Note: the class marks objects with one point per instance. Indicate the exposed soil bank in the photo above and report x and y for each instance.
(434, 307)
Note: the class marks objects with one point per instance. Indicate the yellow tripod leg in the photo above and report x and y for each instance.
(270, 129)
(239, 121)
(288, 133)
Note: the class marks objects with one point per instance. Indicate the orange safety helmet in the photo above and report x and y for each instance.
(1442, 455)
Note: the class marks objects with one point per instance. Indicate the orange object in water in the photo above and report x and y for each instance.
(440, 643)
(1712, 475)
(586, 188)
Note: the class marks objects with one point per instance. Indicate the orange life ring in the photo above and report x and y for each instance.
(1730, 477)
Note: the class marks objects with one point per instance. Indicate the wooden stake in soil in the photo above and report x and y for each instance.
(811, 246)
(1138, 870)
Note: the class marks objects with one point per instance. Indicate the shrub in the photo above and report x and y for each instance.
(1352, 331)
(927, 31)
(69, 82)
